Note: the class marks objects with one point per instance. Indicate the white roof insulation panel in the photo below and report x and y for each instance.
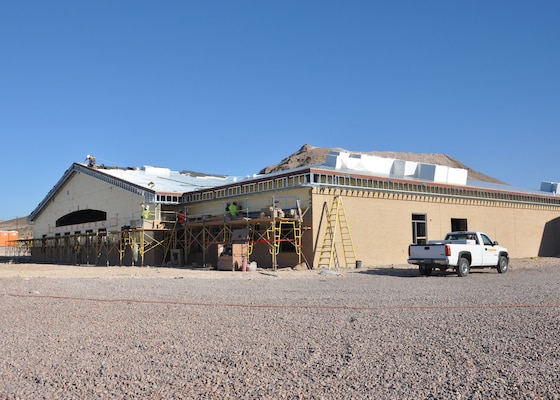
(163, 180)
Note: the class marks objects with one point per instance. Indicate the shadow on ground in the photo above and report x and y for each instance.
(414, 273)
(390, 271)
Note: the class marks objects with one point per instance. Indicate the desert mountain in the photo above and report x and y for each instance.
(310, 155)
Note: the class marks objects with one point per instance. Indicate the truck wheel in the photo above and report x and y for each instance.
(463, 267)
(502, 264)
(425, 270)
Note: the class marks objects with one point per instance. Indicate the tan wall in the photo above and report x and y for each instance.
(252, 202)
(85, 192)
(381, 226)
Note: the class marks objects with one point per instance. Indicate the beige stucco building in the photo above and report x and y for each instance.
(351, 209)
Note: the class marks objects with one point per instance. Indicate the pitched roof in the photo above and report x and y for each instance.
(164, 180)
(146, 181)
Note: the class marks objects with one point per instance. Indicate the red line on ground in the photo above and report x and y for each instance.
(294, 306)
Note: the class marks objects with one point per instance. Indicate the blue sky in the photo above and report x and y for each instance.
(230, 87)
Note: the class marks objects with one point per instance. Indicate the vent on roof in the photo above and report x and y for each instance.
(396, 168)
(551, 187)
(157, 171)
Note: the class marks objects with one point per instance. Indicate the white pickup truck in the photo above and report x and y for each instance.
(461, 251)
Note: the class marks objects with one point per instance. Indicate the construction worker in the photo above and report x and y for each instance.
(91, 160)
(233, 209)
(181, 217)
(145, 212)
(78, 251)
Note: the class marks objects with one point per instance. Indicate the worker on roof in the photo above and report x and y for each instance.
(91, 160)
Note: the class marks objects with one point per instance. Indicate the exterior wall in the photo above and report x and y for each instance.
(251, 203)
(381, 224)
(380, 221)
(85, 192)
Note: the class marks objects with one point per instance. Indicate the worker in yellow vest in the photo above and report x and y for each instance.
(233, 209)
(145, 212)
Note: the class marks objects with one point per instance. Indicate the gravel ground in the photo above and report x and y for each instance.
(372, 333)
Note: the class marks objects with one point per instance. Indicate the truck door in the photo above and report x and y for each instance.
(490, 253)
(476, 249)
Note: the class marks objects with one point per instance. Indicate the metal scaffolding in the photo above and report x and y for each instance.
(200, 236)
(124, 247)
(171, 243)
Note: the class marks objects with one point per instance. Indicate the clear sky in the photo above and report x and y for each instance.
(230, 87)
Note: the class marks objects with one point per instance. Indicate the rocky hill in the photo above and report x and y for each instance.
(309, 155)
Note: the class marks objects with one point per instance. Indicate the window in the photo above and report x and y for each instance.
(419, 229)
(459, 224)
(486, 240)
(102, 236)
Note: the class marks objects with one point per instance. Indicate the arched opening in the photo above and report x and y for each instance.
(82, 216)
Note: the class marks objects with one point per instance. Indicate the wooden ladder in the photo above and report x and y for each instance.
(337, 220)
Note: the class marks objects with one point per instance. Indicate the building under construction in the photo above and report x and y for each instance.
(353, 209)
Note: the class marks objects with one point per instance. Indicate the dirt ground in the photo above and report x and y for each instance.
(8, 270)
(14, 270)
(383, 332)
